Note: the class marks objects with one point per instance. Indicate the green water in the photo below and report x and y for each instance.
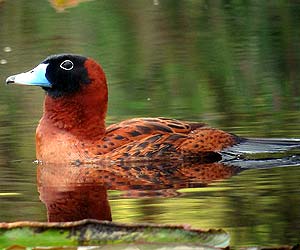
(234, 65)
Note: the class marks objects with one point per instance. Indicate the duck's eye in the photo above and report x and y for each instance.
(67, 65)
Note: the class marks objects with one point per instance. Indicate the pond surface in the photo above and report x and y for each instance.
(232, 65)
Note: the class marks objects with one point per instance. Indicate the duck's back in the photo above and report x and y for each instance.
(161, 139)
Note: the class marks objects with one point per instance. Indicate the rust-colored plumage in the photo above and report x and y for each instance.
(72, 128)
(73, 124)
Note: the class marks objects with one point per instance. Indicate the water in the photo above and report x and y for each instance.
(232, 65)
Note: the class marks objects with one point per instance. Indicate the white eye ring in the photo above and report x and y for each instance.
(69, 66)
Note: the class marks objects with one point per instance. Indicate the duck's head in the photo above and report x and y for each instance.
(76, 92)
(63, 75)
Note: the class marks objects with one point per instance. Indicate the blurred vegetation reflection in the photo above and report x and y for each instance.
(232, 64)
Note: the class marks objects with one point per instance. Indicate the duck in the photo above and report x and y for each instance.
(73, 129)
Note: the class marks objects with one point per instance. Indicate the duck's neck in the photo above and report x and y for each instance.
(82, 114)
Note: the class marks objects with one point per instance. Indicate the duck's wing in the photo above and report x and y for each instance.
(138, 130)
(161, 147)
(143, 127)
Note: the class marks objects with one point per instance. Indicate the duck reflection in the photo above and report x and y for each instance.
(72, 192)
(74, 201)
(79, 192)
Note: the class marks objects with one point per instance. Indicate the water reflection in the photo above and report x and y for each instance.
(73, 193)
(72, 201)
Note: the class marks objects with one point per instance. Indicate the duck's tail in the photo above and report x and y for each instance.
(264, 145)
(244, 164)
(260, 152)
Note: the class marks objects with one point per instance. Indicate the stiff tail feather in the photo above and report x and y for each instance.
(264, 163)
(260, 149)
